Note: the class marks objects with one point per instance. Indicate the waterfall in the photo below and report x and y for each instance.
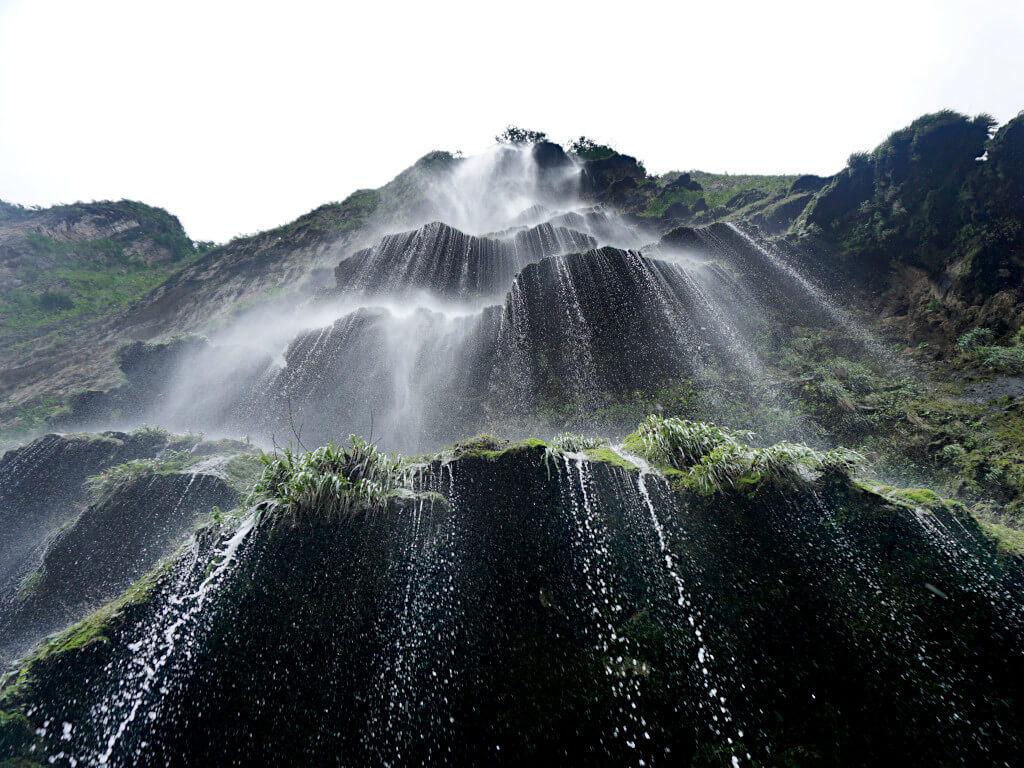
(141, 680)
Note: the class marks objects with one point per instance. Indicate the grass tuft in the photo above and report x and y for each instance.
(574, 443)
(714, 459)
(329, 482)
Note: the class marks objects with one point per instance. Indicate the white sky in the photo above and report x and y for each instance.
(239, 116)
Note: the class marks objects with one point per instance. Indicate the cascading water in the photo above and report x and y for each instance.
(142, 681)
(554, 604)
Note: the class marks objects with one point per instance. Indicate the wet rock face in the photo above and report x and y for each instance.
(593, 327)
(107, 548)
(41, 484)
(444, 261)
(558, 607)
(412, 380)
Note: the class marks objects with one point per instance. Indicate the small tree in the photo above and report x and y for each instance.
(513, 134)
(581, 145)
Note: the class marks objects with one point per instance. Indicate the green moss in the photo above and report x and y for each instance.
(1008, 540)
(242, 471)
(633, 442)
(103, 485)
(486, 446)
(30, 585)
(18, 740)
(491, 448)
(921, 497)
(94, 629)
(608, 456)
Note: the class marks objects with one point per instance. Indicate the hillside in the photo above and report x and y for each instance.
(747, 486)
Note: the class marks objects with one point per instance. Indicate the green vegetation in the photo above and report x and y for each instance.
(59, 280)
(18, 738)
(1008, 540)
(923, 197)
(573, 443)
(70, 280)
(95, 628)
(588, 149)
(659, 205)
(330, 218)
(329, 482)
(958, 434)
(715, 459)
(976, 349)
(513, 134)
(718, 189)
(243, 471)
(110, 480)
(608, 456)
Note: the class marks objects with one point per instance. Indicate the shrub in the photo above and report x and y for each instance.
(1009, 360)
(573, 443)
(329, 482)
(513, 134)
(681, 443)
(975, 339)
(714, 459)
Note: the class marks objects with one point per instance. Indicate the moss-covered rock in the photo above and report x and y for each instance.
(536, 602)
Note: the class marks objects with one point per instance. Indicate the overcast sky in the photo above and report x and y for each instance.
(240, 116)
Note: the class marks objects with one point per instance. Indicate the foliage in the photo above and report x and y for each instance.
(574, 443)
(329, 482)
(681, 443)
(718, 189)
(513, 134)
(588, 149)
(110, 480)
(62, 281)
(927, 195)
(715, 459)
(975, 339)
(976, 348)
(329, 218)
(1008, 540)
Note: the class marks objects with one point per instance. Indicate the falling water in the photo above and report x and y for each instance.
(842, 318)
(169, 635)
(721, 718)
(606, 608)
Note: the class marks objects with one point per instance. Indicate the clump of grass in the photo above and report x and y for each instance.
(574, 443)
(104, 484)
(1008, 360)
(152, 432)
(714, 459)
(975, 339)
(976, 347)
(110, 480)
(329, 482)
(681, 443)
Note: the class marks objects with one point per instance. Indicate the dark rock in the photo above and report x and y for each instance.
(549, 155)
(745, 198)
(808, 183)
(107, 548)
(493, 623)
(447, 262)
(683, 181)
